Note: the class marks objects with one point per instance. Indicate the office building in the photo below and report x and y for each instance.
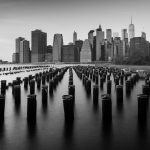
(70, 53)
(143, 35)
(138, 45)
(24, 55)
(39, 45)
(99, 43)
(124, 34)
(57, 47)
(74, 37)
(131, 31)
(109, 35)
(85, 54)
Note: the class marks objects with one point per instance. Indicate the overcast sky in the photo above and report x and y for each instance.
(20, 17)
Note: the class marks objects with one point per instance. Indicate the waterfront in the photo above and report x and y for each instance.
(87, 131)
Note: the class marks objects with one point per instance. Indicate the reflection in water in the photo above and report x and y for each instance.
(107, 133)
(95, 106)
(17, 108)
(2, 129)
(68, 130)
(44, 106)
(32, 129)
(142, 127)
(120, 107)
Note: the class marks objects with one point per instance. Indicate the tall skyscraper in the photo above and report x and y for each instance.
(143, 35)
(24, 52)
(85, 54)
(99, 42)
(91, 37)
(39, 45)
(138, 45)
(57, 47)
(109, 35)
(18, 40)
(74, 37)
(131, 30)
(124, 34)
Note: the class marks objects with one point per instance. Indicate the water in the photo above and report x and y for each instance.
(87, 132)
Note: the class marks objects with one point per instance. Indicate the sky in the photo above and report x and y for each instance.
(20, 17)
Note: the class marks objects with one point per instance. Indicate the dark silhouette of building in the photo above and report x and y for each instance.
(57, 47)
(48, 54)
(139, 45)
(70, 53)
(39, 45)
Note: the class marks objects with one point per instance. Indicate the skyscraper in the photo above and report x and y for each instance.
(109, 35)
(18, 40)
(39, 45)
(74, 37)
(57, 47)
(85, 54)
(24, 52)
(124, 34)
(143, 35)
(131, 30)
(99, 42)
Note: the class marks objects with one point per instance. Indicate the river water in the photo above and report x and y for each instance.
(87, 132)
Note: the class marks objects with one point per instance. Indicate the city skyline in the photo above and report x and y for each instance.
(19, 18)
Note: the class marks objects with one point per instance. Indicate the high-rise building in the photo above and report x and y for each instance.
(91, 37)
(18, 40)
(124, 34)
(39, 45)
(57, 47)
(109, 35)
(15, 58)
(49, 54)
(74, 37)
(78, 45)
(70, 53)
(24, 52)
(85, 54)
(92, 42)
(138, 45)
(131, 31)
(143, 35)
(118, 50)
(99, 42)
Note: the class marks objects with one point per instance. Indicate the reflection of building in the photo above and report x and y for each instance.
(39, 44)
(131, 31)
(24, 52)
(70, 53)
(57, 47)
(74, 37)
(99, 43)
(85, 54)
(139, 45)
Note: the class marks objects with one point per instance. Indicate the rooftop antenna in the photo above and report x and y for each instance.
(131, 19)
